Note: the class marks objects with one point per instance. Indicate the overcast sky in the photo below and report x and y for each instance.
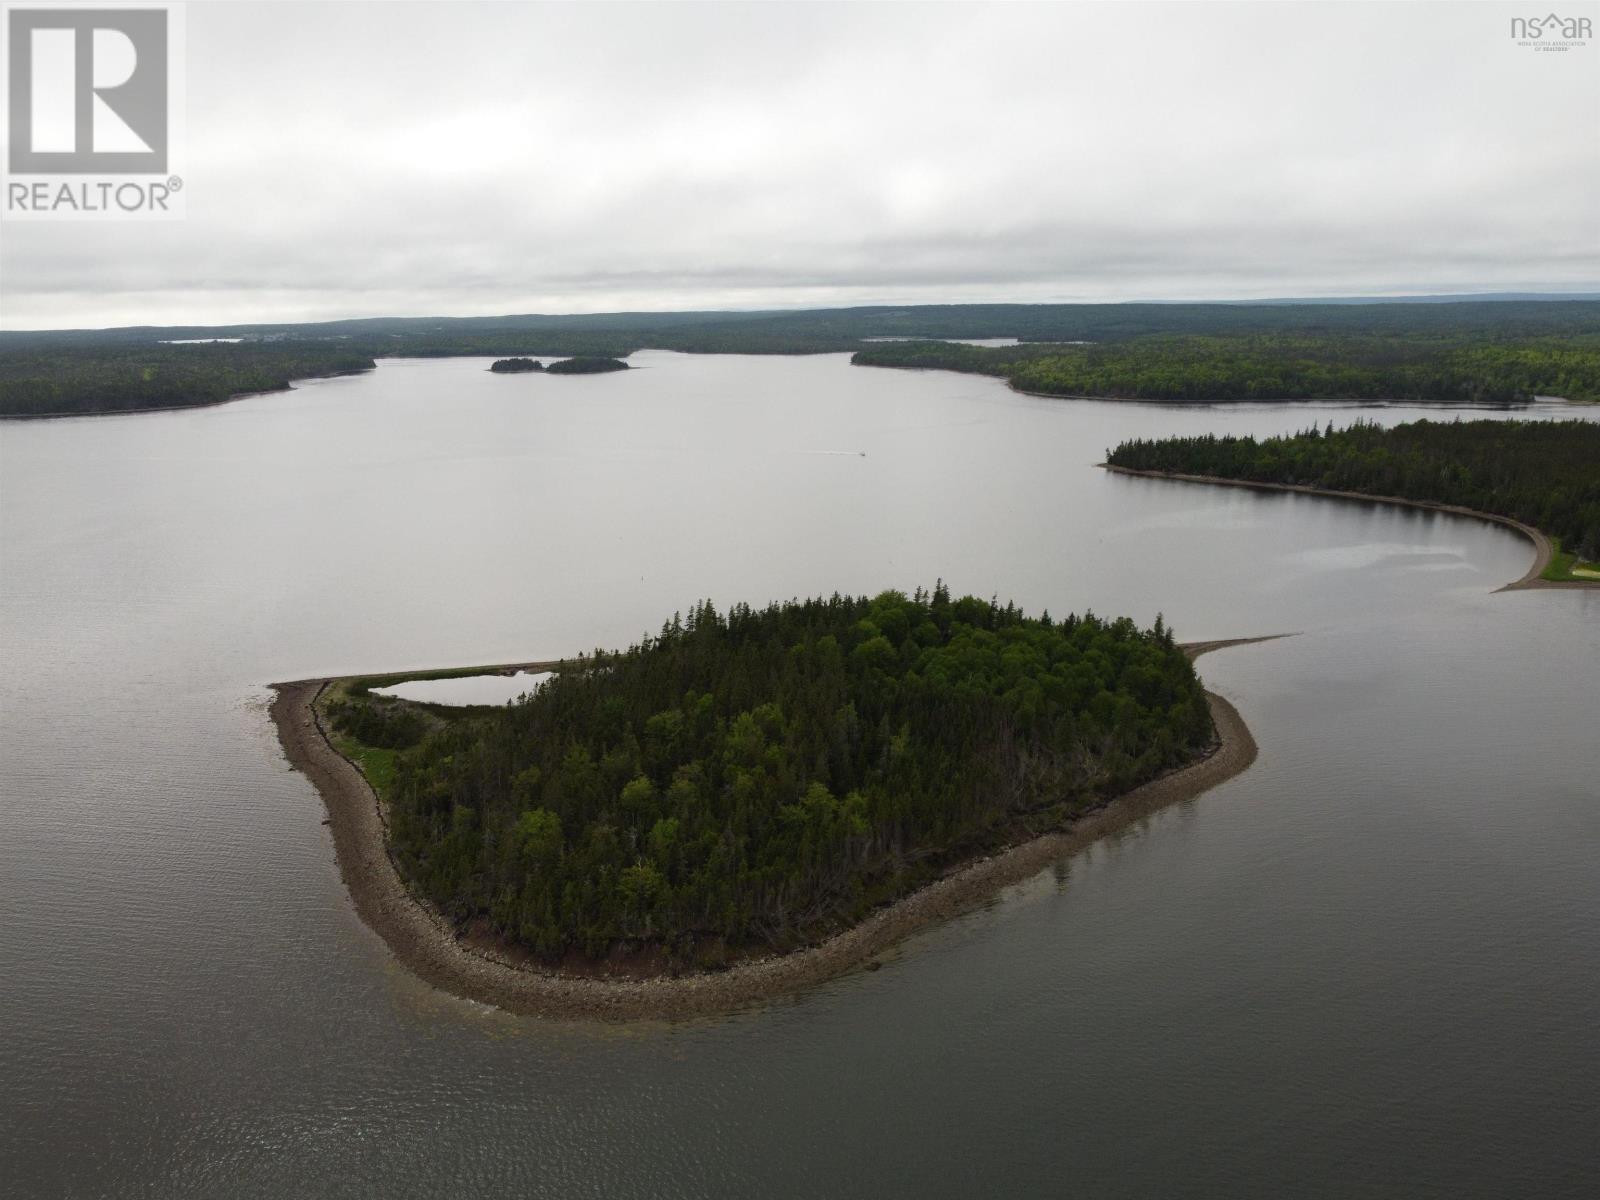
(408, 159)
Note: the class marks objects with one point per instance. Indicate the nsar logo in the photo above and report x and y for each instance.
(1551, 32)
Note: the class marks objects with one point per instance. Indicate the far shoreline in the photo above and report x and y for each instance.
(428, 945)
(1352, 401)
(1183, 402)
(1543, 551)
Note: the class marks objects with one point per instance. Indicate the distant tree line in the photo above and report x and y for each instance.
(1544, 473)
(1488, 350)
(815, 330)
(758, 779)
(515, 366)
(1212, 368)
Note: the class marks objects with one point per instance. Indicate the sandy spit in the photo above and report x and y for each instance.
(428, 945)
(1543, 552)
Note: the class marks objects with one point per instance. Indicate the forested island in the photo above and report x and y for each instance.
(1543, 473)
(586, 364)
(1495, 351)
(1279, 366)
(582, 364)
(752, 782)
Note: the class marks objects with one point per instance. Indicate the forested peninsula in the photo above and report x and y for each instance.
(1207, 368)
(1544, 474)
(51, 382)
(737, 794)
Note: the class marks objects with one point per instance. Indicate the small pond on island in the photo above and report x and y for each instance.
(467, 689)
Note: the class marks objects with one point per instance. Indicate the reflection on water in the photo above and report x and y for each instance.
(1368, 966)
(1351, 558)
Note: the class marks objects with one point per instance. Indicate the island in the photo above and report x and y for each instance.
(586, 364)
(582, 364)
(1541, 478)
(747, 802)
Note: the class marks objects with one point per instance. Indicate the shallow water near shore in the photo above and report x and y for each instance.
(1368, 966)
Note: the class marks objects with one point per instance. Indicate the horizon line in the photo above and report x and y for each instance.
(1589, 294)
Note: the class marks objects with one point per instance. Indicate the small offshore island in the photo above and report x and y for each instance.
(582, 364)
(748, 803)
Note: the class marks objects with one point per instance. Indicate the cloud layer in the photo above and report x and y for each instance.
(364, 159)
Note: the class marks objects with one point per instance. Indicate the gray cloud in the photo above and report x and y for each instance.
(363, 159)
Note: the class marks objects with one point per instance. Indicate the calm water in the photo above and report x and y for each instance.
(1368, 967)
(468, 689)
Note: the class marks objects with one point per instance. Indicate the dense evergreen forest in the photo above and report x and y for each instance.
(115, 369)
(1544, 473)
(756, 780)
(586, 364)
(1284, 366)
(41, 382)
(515, 366)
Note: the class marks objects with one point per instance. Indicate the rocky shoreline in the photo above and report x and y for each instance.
(428, 945)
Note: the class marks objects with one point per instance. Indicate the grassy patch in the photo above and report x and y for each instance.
(377, 765)
(1565, 566)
